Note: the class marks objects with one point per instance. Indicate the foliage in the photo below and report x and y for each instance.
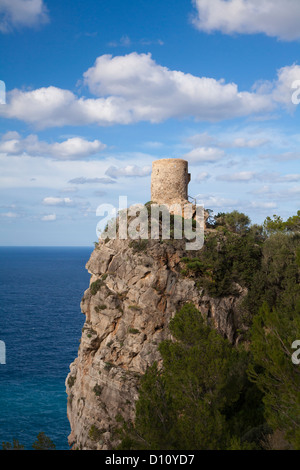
(273, 371)
(209, 394)
(138, 246)
(234, 221)
(276, 224)
(189, 403)
(95, 433)
(15, 445)
(224, 261)
(277, 280)
(96, 286)
(43, 442)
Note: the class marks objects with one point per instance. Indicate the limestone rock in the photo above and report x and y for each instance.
(135, 289)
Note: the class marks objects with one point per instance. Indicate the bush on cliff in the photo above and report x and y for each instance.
(209, 394)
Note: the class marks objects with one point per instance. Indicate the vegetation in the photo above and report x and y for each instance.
(15, 445)
(133, 331)
(42, 442)
(96, 286)
(95, 434)
(98, 308)
(208, 393)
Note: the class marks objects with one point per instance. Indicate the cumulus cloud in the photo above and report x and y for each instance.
(274, 18)
(49, 218)
(21, 13)
(204, 154)
(129, 170)
(134, 88)
(153, 92)
(56, 107)
(70, 149)
(57, 201)
(284, 88)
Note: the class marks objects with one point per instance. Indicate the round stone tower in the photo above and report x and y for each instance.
(169, 181)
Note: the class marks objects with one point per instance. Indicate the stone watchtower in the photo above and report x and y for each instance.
(169, 181)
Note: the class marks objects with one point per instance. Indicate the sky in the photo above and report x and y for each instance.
(92, 92)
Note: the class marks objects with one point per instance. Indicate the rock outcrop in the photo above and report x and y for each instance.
(136, 287)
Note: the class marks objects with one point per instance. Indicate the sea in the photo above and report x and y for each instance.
(40, 326)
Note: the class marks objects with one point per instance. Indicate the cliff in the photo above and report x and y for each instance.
(135, 289)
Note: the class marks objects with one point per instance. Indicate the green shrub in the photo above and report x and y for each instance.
(95, 433)
(98, 308)
(133, 331)
(96, 286)
(138, 245)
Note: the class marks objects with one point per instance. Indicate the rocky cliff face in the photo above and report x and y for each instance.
(135, 288)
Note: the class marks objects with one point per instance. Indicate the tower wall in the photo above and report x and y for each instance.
(169, 181)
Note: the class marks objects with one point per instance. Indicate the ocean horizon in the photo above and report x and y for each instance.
(40, 324)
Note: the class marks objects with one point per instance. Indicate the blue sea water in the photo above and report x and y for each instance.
(40, 323)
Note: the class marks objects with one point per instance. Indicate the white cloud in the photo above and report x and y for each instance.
(55, 107)
(129, 170)
(282, 157)
(21, 13)
(25, 171)
(219, 202)
(49, 218)
(203, 176)
(84, 180)
(153, 92)
(9, 215)
(263, 205)
(134, 88)
(288, 194)
(284, 89)
(242, 176)
(277, 178)
(57, 201)
(125, 41)
(71, 149)
(204, 154)
(241, 142)
(76, 147)
(204, 139)
(245, 176)
(274, 18)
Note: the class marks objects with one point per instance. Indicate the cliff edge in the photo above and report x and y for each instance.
(136, 287)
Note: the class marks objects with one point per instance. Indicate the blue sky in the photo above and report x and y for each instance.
(97, 90)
